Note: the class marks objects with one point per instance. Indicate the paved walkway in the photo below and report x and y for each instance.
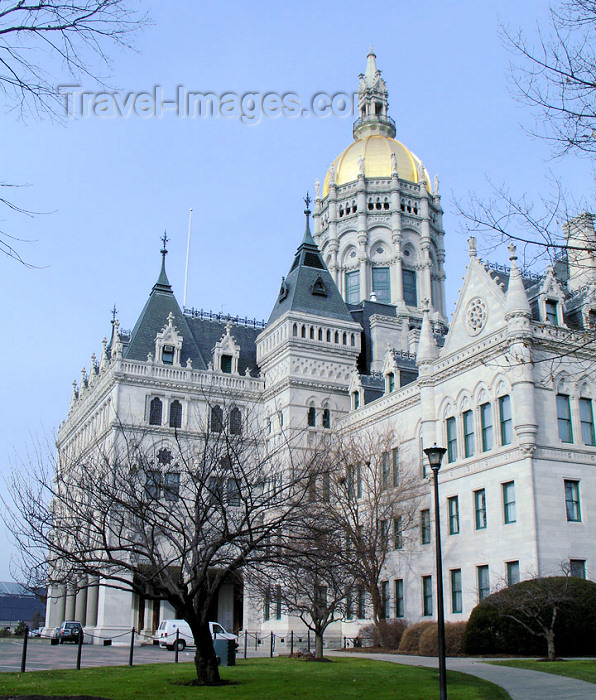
(520, 683)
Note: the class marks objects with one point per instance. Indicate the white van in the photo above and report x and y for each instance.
(166, 633)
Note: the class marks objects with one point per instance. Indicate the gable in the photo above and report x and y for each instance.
(480, 309)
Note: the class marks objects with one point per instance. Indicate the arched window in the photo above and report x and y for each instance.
(326, 418)
(303, 332)
(320, 334)
(217, 419)
(155, 411)
(175, 414)
(312, 417)
(235, 421)
(295, 329)
(312, 333)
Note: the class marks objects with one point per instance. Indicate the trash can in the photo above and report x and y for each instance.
(225, 650)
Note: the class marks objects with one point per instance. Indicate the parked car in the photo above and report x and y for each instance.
(168, 629)
(70, 631)
(35, 632)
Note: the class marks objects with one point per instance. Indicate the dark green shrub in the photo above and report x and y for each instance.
(491, 629)
(411, 637)
(5, 632)
(19, 630)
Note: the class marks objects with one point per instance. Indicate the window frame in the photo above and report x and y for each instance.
(512, 572)
(509, 502)
(564, 422)
(451, 429)
(352, 282)
(381, 286)
(576, 565)
(487, 428)
(427, 596)
(156, 411)
(469, 433)
(483, 581)
(453, 514)
(399, 602)
(587, 426)
(573, 509)
(175, 418)
(457, 603)
(505, 420)
(480, 519)
(425, 526)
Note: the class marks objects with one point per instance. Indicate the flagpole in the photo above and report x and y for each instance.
(187, 259)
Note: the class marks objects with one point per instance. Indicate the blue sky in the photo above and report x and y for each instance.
(109, 187)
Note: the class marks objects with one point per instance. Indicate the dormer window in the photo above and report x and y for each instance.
(356, 400)
(226, 364)
(390, 382)
(167, 355)
(551, 312)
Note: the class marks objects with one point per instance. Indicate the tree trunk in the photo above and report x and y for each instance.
(550, 640)
(205, 659)
(318, 644)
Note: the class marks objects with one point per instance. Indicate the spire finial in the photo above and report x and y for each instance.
(307, 201)
(113, 311)
(164, 240)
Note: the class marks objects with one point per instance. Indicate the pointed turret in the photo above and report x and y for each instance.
(516, 301)
(154, 317)
(427, 345)
(309, 287)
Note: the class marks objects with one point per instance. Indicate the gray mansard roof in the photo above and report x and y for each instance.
(200, 331)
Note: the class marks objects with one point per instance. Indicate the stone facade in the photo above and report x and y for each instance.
(358, 340)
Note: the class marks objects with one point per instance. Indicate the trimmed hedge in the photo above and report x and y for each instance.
(410, 641)
(491, 631)
(428, 644)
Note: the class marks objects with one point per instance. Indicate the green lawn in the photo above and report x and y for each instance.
(256, 679)
(584, 669)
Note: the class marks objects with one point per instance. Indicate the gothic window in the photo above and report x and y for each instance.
(295, 330)
(312, 333)
(381, 285)
(345, 339)
(303, 332)
(587, 421)
(564, 418)
(390, 382)
(155, 411)
(486, 424)
(353, 287)
(506, 420)
(175, 414)
(153, 484)
(320, 336)
(326, 418)
(171, 487)
(328, 336)
(235, 421)
(355, 400)
(216, 419)
(312, 417)
(337, 337)
(409, 286)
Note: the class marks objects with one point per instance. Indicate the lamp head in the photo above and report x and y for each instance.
(435, 456)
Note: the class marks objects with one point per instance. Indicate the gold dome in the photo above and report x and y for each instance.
(376, 151)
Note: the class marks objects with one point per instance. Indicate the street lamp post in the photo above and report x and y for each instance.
(435, 457)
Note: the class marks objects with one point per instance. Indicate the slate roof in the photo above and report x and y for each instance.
(309, 286)
(199, 334)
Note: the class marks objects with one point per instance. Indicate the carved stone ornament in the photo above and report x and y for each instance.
(476, 315)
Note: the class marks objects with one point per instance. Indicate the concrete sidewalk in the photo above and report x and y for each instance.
(519, 683)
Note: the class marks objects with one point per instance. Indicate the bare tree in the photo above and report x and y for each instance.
(74, 33)
(171, 523)
(310, 577)
(37, 41)
(375, 496)
(556, 76)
